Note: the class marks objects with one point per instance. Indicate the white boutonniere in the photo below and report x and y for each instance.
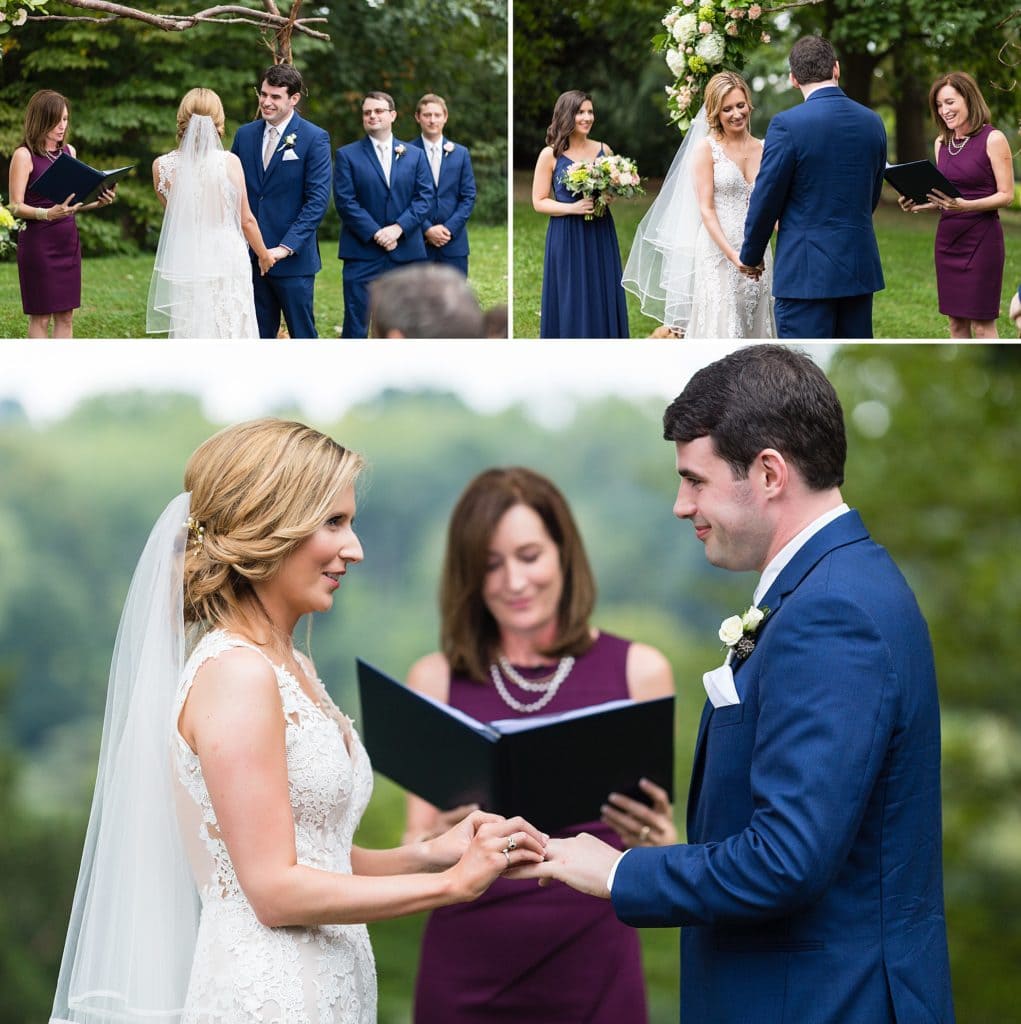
(399, 150)
(289, 141)
(448, 148)
(738, 631)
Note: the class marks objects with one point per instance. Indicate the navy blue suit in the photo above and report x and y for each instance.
(366, 203)
(289, 199)
(453, 200)
(811, 888)
(821, 177)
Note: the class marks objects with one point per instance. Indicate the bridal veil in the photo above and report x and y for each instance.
(131, 937)
(660, 269)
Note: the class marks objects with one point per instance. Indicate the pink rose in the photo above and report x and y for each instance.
(754, 12)
(731, 29)
(766, 37)
(705, 28)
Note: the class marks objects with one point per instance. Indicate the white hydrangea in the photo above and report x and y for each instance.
(711, 48)
(685, 28)
(677, 62)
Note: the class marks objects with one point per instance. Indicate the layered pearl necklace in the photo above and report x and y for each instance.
(953, 141)
(547, 687)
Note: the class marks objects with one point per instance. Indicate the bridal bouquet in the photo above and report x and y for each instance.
(8, 226)
(702, 38)
(605, 176)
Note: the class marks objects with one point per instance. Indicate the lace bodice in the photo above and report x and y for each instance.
(166, 167)
(244, 971)
(725, 303)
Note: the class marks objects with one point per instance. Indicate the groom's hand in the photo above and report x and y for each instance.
(583, 863)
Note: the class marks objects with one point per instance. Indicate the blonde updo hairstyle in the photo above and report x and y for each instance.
(199, 101)
(258, 490)
(716, 91)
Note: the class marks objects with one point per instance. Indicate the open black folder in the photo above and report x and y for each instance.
(554, 770)
(917, 179)
(67, 175)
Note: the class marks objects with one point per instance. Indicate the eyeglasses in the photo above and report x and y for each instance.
(375, 110)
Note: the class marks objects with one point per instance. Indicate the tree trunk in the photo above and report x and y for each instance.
(911, 108)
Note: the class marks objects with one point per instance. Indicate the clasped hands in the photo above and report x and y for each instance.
(387, 237)
(753, 272)
(272, 258)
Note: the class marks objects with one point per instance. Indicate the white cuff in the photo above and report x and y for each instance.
(613, 871)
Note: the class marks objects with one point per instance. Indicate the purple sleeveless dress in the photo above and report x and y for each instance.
(49, 256)
(525, 954)
(969, 245)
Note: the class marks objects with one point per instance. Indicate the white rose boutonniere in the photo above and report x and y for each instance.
(448, 148)
(399, 150)
(289, 141)
(738, 631)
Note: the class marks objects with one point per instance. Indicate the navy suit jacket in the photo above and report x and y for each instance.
(812, 885)
(289, 198)
(821, 177)
(366, 203)
(454, 198)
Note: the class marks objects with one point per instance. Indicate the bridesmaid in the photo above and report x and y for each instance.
(975, 157)
(582, 295)
(49, 252)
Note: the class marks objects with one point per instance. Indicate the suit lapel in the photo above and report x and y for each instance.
(278, 154)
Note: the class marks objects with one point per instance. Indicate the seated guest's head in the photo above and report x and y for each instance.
(495, 321)
(203, 102)
(424, 300)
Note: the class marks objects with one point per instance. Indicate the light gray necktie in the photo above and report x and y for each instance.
(270, 146)
(381, 149)
(434, 160)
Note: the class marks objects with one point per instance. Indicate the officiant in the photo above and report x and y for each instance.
(49, 251)
(516, 597)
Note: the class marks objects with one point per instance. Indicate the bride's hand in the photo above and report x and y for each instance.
(496, 847)
(586, 205)
(266, 263)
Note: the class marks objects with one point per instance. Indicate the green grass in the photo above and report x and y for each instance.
(115, 288)
(906, 308)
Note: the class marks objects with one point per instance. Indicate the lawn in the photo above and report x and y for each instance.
(906, 308)
(115, 288)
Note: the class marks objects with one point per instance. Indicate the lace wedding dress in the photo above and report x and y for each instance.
(202, 278)
(725, 303)
(244, 972)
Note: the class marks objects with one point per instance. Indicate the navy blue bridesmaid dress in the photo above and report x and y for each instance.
(582, 296)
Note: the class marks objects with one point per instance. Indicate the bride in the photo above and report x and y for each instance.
(201, 283)
(219, 882)
(685, 262)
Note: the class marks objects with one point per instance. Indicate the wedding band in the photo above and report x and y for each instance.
(644, 834)
(506, 853)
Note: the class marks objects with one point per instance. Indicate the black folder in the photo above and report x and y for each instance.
(917, 179)
(67, 174)
(554, 770)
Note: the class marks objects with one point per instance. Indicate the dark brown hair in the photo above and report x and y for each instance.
(978, 109)
(283, 76)
(377, 95)
(558, 135)
(44, 111)
(469, 635)
(812, 60)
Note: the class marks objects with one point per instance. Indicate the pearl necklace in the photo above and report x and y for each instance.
(548, 689)
(960, 145)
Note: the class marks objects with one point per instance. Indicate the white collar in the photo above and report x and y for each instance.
(386, 143)
(281, 128)
(781, 559)
(429, 145)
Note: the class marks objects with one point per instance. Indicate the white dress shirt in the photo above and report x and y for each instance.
(281, 131)
(384, 152)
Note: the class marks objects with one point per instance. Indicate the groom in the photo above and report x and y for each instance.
(286, 161)
(821, 177)
(811, 886)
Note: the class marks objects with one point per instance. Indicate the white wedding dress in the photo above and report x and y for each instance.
(244, 972)
(202, 277)
(678, 272)
(725, 303)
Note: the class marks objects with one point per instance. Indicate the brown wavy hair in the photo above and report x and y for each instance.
(716, 90)
(978, 110)
(469, 635)
(44, 111)
(258, 489)
(558, 134)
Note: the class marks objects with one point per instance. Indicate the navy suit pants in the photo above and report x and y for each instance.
(291, 296)
(436, 254)
(847, 317)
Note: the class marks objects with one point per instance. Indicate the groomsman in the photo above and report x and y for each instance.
(286, 161)
(382, 189)
(446, 234)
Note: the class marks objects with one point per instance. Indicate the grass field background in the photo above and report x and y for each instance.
(115, 288)
(906, 308)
